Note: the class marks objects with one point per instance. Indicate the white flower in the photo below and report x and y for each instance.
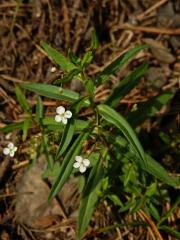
(81, 163)
(62, 115)
(10, 150)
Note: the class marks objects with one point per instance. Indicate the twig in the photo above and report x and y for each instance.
(9, 78)
(155, 6)
(167, 31)
(151, 223)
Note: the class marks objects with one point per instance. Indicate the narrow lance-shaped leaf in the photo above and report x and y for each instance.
(59, 58)
(67, 165)
(22, 99)
(111, 116)
(68, 77)
(175, 233)
(12, 126)
(118, 63)
(80, 125)
(154, 168)
(94, 41)
(89, 198)
(148, 109)
(125, 86)
(50, 91)
(26, 125)
(39, 110)
(66, 138)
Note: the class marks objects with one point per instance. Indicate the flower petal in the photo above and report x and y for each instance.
(58, 118)
(79, 159)
(86, 162)
(76, 165)
(10, 145)
(82, 168)
(68, 114)
(11, 154)
(6, 151)
(15, 149)
(60, 110)
(64, 120)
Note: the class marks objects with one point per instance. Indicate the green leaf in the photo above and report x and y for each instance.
(148, 109)
(124, 87)
(73, 58)
(80, 125)
(171, 231)
(49, 158)
(50, 91)
(39, 110)
(22, 99)
(87, 59)
(118, 63)
(115, 199)
(12, 126)
(67, 165)
(151, 190)
(59, 58)
(89, 198)
(26, 125)
(170, 211)
(94, 41)
(154, 212)
(66, 138)
(158, 171)
(111, 116)
(68, 77)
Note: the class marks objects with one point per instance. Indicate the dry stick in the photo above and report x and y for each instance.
(9, 78)
(167, 31)
(151, 223)
(13, 5)
(155, 6)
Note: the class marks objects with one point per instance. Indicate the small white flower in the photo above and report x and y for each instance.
(62, 115)
(81, 163)
(10, 150)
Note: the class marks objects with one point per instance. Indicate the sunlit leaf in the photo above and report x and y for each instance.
(59, 58)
